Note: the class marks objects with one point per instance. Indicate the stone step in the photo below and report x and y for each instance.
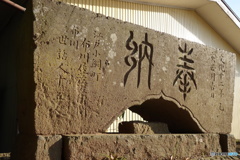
(187, 146)
(141, 146)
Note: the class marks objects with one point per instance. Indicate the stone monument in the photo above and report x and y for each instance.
(80, 70)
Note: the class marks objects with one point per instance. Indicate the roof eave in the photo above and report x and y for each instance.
(215, 12)
(227, 26)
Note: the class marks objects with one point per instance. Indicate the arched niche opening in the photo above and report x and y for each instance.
(178, 119)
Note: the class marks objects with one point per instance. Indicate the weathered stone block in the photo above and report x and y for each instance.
(141, 147)
(232, 145)
(30, 147)
(137, 127)
(89, 68)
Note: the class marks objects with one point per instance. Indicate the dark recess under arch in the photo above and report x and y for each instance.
(160, 110)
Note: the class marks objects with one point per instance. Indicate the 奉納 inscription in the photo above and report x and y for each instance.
(145, 51)
(185, 72)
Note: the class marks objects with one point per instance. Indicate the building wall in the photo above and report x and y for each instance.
(236, 107)
(178, 22)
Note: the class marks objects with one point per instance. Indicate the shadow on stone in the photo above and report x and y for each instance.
(160, 110)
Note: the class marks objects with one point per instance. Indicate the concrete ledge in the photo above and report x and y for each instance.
(142, 147)
(38, 148)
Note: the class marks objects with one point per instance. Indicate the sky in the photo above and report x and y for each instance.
(235, 5)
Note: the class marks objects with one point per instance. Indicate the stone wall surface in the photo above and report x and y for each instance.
(142, 147)
(88, 68)
(128, 146)
(38, 148)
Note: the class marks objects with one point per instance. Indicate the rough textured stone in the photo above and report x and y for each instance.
(38, 148)
(137, 127)
(89, 68)
(141, 147)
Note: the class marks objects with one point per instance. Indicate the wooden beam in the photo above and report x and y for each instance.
(15, 5)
